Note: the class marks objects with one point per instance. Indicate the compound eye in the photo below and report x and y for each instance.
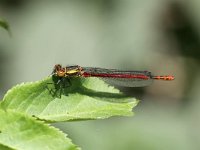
(57, 67)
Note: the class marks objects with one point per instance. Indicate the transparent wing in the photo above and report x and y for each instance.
(128, 82)
(120, 77)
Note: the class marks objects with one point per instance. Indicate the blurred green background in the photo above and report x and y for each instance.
(161, 36)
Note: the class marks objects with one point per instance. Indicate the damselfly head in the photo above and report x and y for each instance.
(57, 67)
(59, 71)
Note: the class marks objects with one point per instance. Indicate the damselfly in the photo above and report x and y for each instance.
(112, 76)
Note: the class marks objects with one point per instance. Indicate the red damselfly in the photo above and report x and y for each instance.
(112, 76)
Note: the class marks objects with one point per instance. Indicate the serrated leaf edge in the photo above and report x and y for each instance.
(42, 122)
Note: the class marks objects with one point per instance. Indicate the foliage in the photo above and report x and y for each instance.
(4, 24)
(44, 100)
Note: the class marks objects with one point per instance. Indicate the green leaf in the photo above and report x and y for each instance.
(3, 147)
(20, 131)
(4, 24)
(89, 98)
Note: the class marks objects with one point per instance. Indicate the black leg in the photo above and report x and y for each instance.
(59, 84)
